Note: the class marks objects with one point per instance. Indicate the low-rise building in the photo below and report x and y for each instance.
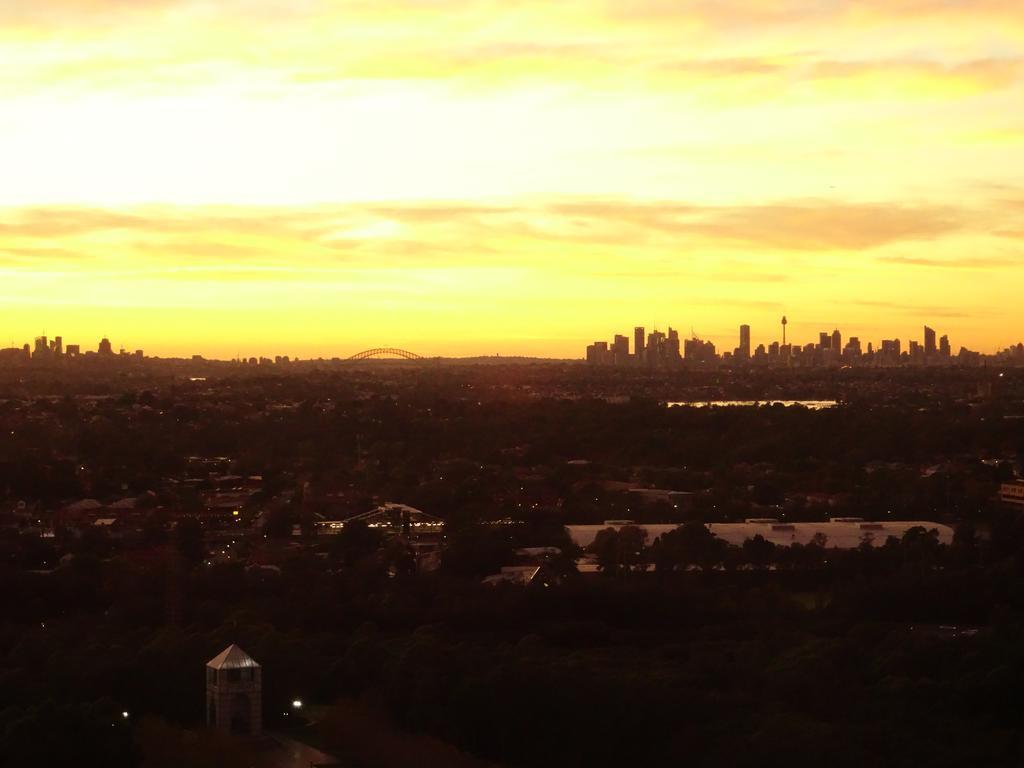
(1012, 492)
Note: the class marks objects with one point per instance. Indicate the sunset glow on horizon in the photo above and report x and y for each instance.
(463, 177)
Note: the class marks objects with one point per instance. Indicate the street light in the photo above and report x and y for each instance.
(297, 704)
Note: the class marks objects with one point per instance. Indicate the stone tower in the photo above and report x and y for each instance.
(234, 693)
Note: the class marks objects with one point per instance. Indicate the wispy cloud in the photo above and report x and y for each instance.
(923, 310)
(811, 225)
(969, 262)
(802, 225)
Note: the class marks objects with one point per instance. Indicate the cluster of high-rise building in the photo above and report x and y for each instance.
(654, 348)
(45, 350)
(658, 349)
(261, 361)
(1013, 354)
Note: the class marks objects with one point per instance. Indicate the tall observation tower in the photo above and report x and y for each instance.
(785, 322)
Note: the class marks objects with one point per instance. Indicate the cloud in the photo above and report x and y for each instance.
(896, 74)
(55, 222)
(60, 222)
(54, 15)
(738, 275)
(263, 44)
(656, 239)
(809, 224)
(953, 263)
(803, 226)
(918, 310)
(822, 226)
(59, 13)
(743, 14)
(647, 67)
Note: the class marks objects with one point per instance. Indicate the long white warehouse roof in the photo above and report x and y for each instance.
(840, 534)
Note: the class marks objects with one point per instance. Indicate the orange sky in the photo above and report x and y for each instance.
(516, 176)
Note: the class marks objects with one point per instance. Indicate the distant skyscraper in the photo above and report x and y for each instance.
(837, 341)
(597, 353)
(891, 348)
(654, 352)
(929, 341)
(105, 348)
(671, 346)
(620, 349)
(944, 348)
(785, 322)
(638, 342)
(824, 340)
(698, 351)
(744, 348)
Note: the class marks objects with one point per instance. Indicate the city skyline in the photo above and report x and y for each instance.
(468, 177)
(667, 348)
(724, 340)
(929, 346)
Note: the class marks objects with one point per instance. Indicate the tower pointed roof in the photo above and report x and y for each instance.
(231, 657)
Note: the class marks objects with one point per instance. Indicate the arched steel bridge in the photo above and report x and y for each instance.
(368, 354)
